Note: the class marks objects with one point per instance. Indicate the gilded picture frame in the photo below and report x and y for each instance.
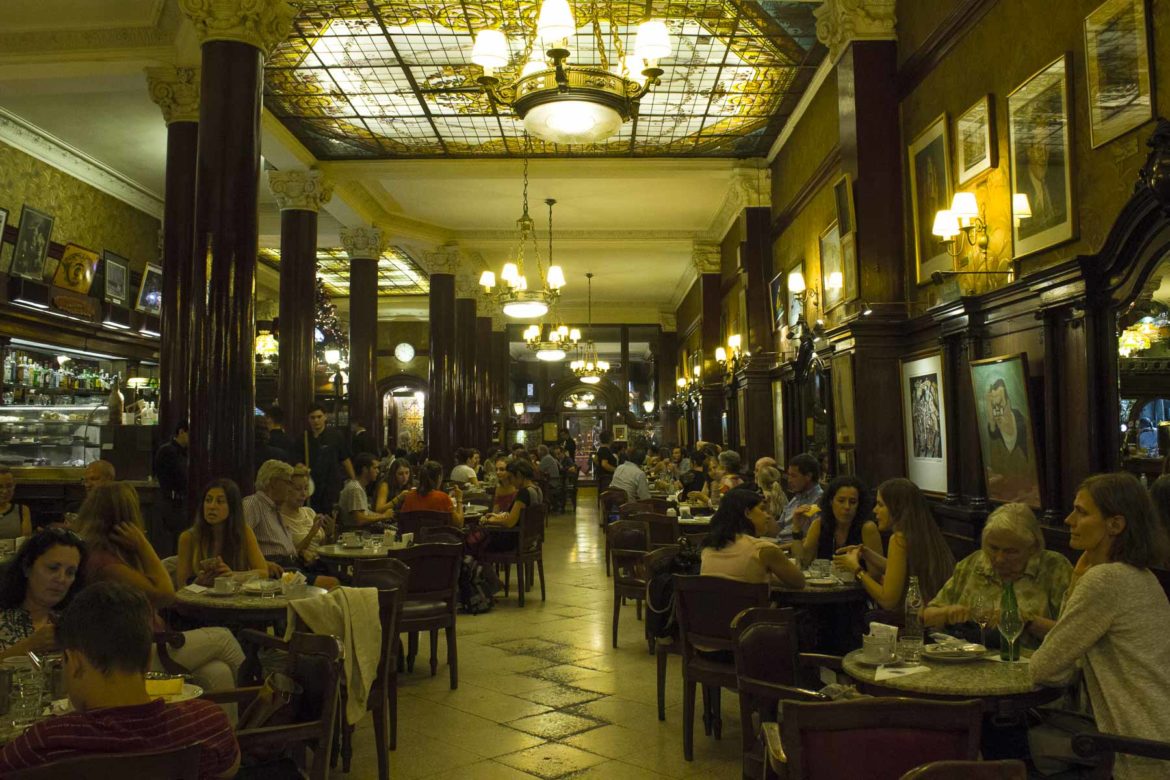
(76, 269)
(1007, 430)
(1040, 144)
(924, 422)
(150, 290)
(843, 203)
(931, 188)
(777, 301)
(841, 367)
(1119, 79)
(975, 148)
(116, 278)
(831, 264)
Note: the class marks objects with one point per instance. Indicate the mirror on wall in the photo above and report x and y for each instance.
(1143, 348)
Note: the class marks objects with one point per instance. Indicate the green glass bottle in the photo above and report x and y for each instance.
(1010, 624)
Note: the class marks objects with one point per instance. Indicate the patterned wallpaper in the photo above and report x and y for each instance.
(84, 215)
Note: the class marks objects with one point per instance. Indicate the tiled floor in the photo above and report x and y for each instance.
(543, 694)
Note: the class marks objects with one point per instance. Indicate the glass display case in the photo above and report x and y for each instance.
(55, 436)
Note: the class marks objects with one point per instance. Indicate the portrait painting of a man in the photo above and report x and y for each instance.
(32, 245)
(1010, 462)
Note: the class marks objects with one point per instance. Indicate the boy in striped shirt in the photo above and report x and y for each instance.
(106, 637)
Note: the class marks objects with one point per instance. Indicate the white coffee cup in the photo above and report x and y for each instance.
(224, 584)
(685, 509)
(671, 513)
(408, 539)
(389, 538)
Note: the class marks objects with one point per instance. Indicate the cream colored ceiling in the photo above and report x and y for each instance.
(634, 223)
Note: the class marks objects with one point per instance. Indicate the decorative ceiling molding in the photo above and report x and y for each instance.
(667, 321)
(175, 91)
(259, 23)
(301, 190)
(502, 236)
(750, 186)
(467, 284)
(146, 42)
(840, 22)
(49, 149)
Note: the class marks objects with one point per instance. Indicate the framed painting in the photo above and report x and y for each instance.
(832, 272)
(1117, 64)
(76, 269)
(1040, 144)
(795, 308)
(150, 291)
(930, 192)
(621, 432)
(849, 266)
(117, 278)
(777, 300)
(924, 423)
(1011, 459)
(32, 245)
(975, 147)
(843, 417)
(843, 201)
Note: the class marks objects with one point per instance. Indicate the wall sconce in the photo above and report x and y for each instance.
(806, 296)
(648, 405)
(518, 408)
(728, 358)
(964, 218)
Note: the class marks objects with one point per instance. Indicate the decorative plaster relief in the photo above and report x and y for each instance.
(302, 190)
(362, 243)
(444, 260)
(175, 91)
(706, 257)
(840, 22)
(259, 23)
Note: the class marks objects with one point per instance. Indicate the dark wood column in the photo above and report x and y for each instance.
(364, 247)
(176, 91)
(299, 194)
(483, 383)
(500, 379)
(666, 364)
(441, 402)
(465, 382)
(757, 261)
(712, 393)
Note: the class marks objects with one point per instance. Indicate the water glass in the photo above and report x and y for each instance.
(27, 689)
(877, 649)
(821, 567)
(910, 649)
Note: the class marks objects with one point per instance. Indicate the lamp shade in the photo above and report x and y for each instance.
(648, 405)
(332, 356)
(720, 354)
(681, 382)
(510, 274)
(734, 341)
(964, 206)
(796, 282)
(556, 277)
(518, 408)
(1021, 208)
(697, 370)
(946, 225)
(574, 335)
(487, 279)
(652, 41)
(555, 21)
(490, 49)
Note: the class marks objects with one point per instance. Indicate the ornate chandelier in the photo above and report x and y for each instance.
(550, 346)
(587, 367)
(573, 103)
(514, 297)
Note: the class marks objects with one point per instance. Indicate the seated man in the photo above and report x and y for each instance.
(106, 638)
(262, 514)
(354, 503)
(630, 477)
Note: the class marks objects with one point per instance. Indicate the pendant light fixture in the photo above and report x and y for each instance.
(587, 367)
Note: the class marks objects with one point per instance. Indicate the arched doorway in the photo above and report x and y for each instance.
(403, 408)
(586, 410)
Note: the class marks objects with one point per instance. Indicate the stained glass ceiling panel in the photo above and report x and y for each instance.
(376, 79)
(398, 274)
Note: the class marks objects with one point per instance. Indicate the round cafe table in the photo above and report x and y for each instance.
(337, 552)
(839, 593)
(237, 610)
(1004, 688)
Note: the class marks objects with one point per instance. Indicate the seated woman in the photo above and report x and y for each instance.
(15, 519)
(773, 492)
(1114, 617)
(846, 502)
(110, 523)
(428, 498)
(527, 494)
(1012, 551)
(219, 542)
(307, 527)
(733, 550)
(505, 488)
(729, 465)
(388, 488)
(467, 470)
(36, 588)
(917, 548)
(709, 486)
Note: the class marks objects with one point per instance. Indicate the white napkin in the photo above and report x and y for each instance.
(884, 629)
(193, 588)
(890, 672)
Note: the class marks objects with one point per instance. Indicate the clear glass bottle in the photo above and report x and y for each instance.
(1010, 624)
(913, 629)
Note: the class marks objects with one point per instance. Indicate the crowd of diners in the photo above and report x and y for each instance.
(92, 585)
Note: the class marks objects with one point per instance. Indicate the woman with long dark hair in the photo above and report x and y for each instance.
(505, 489)
(844, 519)
(37, 586)
(389, 487)
(219, 542)
(427, 497)
(733, 550)
(917, 548)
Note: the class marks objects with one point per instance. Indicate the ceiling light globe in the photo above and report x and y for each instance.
(572, 121)
(590, 380)
(525, 310)
(490, 49)
(550, 355)
(652, 41)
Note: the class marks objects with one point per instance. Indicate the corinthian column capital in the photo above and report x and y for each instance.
(303, 190)
(175, 91)
(259, 23)
(840, 22)
(362, 243)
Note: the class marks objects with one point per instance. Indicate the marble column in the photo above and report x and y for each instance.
(364, 246)
(440, 412)
(176, 91)
(236, 36)
(300, 195)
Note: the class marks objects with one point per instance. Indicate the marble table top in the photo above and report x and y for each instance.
(238, 600)
(974, 679)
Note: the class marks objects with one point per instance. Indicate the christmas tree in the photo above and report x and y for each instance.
(330, 333)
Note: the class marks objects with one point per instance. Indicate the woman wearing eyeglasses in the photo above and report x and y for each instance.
(36, 586)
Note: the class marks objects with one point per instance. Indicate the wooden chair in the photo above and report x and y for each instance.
(181, 763)
(826, 741)
(413, 522)
(603, 479)
(391, 578)
(164, 642)
(1105, 747)
(969, 770)
(529, 550)
(611, 500)
(664, 530)
(767, 670)
(705, 606)
(660, 647)
(655, 505)
(441, 533)
(314, 661)
(432, 599)
(627, 542)
(570, 479)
